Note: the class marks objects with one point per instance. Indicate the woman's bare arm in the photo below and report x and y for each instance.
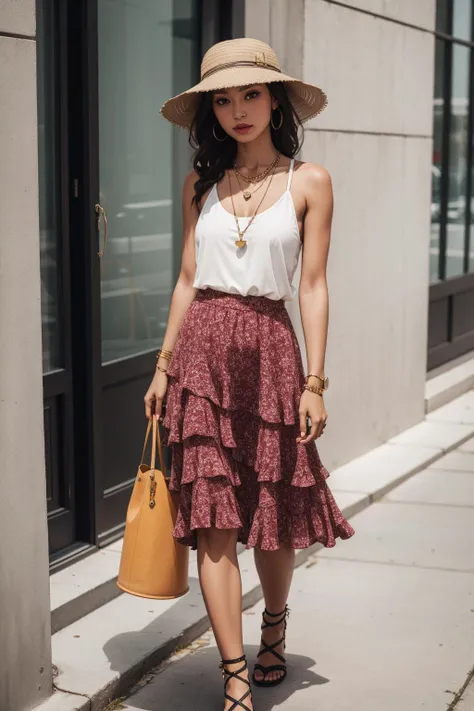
(183, 295)
(313, 291)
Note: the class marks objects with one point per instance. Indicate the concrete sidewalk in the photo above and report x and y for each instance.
(382, 622)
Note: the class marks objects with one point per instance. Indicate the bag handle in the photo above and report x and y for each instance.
(152, 422)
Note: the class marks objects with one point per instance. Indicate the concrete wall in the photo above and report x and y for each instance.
(375, 140)
(25, 642)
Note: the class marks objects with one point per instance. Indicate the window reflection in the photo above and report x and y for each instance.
(438, 123)
(458, 145)
(48, 168)
(148, 51)
(462, 19)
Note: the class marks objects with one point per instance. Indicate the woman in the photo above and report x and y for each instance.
(237, 401)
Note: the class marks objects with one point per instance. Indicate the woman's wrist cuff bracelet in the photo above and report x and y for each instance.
(314, 389)
(324, 381)
(163, 353)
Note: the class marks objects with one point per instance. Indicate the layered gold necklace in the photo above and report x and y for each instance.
(241, 242)
(256, 178)
(246, 193)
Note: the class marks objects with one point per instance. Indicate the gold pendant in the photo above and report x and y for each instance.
(247, 195)
(240, 243)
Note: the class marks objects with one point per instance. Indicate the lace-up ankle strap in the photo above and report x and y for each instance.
(233, 661)
(281, 615)
(227, 675)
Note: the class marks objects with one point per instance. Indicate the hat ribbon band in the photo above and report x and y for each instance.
(227, 65)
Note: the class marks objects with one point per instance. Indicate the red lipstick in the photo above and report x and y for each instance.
(242, 127)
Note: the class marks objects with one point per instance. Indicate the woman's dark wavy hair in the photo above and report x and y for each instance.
(212, 157)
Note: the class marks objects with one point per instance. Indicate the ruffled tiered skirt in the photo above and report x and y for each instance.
(231, 418)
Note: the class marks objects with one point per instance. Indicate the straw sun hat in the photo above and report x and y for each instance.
(239, 62)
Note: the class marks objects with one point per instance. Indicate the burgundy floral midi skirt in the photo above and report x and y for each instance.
(231, 419)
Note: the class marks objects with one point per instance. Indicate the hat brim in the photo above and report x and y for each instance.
(307, 100)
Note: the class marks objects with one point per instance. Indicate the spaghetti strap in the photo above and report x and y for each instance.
(290, 173)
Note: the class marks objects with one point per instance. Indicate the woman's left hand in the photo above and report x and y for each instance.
(312, 406)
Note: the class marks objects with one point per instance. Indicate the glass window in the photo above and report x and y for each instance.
(452, 207)
(458, 150)
(436, 168)
(148, 52)
(462, 19)
(48, 167)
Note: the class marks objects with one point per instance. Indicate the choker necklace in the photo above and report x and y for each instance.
(260, 176)
(246, 193)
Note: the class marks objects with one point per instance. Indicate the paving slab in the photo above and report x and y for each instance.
(380, 470)
(467, 446)
(83, 586)
(447, 385)
(437, 435)
(456, 461)
(411, 535)
(436, 486)
(466, 702)
(460, 410)
(352, 645)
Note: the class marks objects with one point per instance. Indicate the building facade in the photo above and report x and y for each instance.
(376, 61)
(91, 177)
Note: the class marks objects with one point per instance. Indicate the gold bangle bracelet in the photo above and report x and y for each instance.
(163, 370)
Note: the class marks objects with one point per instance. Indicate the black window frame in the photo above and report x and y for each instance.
(451, 299)
(449, 42)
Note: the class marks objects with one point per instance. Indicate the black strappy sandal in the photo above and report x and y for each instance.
(271, 648)
(235, 702)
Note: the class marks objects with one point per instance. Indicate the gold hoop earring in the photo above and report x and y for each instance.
(214, 134)
(281, 119)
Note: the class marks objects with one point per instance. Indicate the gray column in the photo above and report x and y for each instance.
(25, 632)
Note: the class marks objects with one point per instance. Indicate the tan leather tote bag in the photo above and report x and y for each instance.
(152, 563)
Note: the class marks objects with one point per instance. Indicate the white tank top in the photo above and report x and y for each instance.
(267, 263)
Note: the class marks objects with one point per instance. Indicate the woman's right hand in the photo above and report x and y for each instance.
(155, 395)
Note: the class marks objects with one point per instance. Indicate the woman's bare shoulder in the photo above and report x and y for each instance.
(190, 210)
(191, 178)
(316, 175)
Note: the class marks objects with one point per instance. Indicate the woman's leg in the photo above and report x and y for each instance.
(275, 570)
(221, 585)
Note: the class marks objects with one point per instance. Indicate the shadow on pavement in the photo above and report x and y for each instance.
(194, 683)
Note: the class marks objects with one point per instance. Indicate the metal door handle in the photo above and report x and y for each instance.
(99, 210)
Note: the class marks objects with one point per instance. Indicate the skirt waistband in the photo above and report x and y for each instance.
(244, 303)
